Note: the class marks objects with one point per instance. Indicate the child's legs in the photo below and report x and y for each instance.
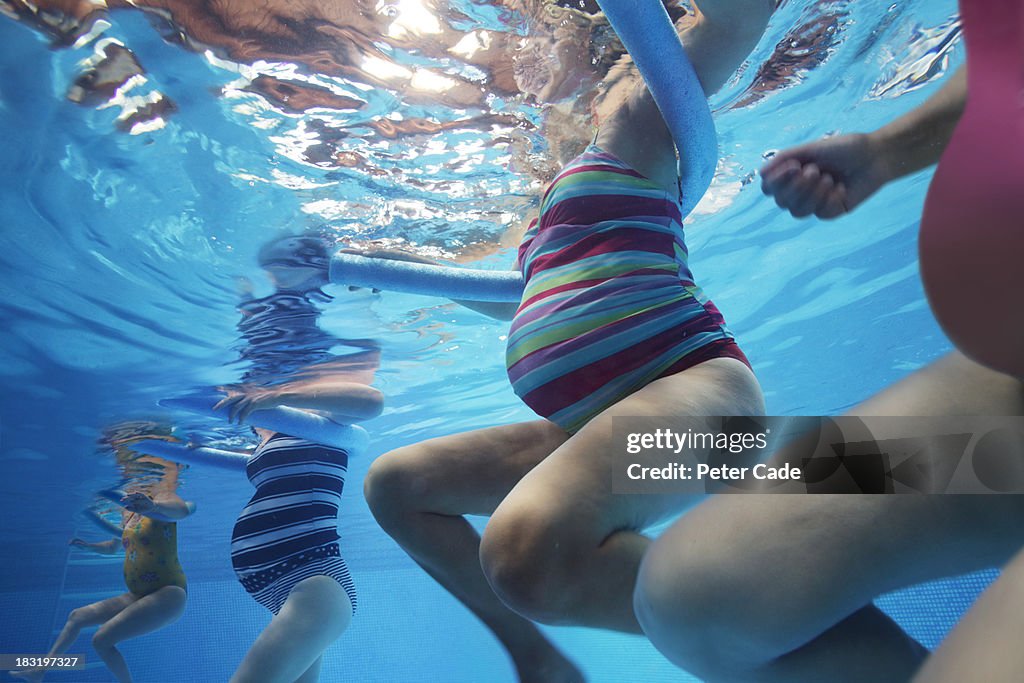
(80, 617)
(144, 615)
(316, 613)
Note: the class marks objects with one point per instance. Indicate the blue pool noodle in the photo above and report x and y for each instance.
(649, 37)
(201, 455)
(113, 495)
(422, 278)
(291, 421)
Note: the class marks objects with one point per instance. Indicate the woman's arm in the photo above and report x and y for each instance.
(345, 402)
(103, 524)
(831, 177)
(725, 33)
(499, 310)
(717, 40)
(917, 139)
(166, 507)
(103, 547)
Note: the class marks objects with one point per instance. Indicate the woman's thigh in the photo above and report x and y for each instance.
(102, 611)
(782, 569)
(953, 385)
(468, 473)
(563, 547)
(570, 493)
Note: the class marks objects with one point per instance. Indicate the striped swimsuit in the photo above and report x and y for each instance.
(289, 529)
(609, 304)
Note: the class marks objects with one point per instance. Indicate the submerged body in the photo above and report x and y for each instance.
(610, 304)
(154, 578)
(151, 555)
(971, 237)
(284, 545)
(610, 324)
(289, 529)
(828, 557)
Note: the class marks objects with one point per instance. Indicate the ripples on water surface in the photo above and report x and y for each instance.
(131, 213)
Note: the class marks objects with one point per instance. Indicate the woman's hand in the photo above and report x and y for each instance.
(827, 178)
(243, 399)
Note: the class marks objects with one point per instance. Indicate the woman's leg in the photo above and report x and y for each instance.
(419, 495)
(144, 615)
(779, 588)
(312, 674)
(316, 613)
(985, 645)
(80, 617)
(562, 548)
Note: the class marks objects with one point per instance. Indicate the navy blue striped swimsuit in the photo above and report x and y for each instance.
(289, 529)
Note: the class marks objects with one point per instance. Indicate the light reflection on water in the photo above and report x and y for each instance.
(278, 125)
(127, 218)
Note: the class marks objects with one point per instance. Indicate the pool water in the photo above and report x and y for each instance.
(122, 249)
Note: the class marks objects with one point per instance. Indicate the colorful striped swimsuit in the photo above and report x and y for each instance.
(609, 304)
(289, 530)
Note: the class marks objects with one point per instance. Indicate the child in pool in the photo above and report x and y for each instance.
(156, 583)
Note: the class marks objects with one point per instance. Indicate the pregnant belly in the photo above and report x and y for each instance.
(972, 237)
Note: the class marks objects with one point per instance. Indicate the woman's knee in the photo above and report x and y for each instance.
(529, 559)
(395, 484)
(715, 619)
(676, 603)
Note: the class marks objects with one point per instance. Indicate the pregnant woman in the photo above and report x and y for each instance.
(148, 533)
(780, 588)
(611, 323)
(285, 544)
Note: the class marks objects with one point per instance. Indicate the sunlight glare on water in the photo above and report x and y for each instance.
(149, 155)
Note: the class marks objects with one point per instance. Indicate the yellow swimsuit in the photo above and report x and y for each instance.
(151, 555)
